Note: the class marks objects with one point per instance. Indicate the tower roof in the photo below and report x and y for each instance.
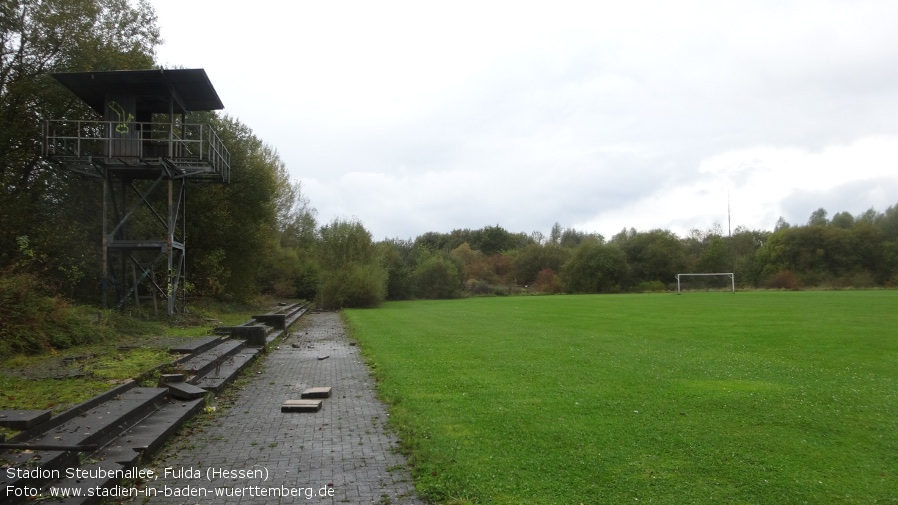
(162, 91)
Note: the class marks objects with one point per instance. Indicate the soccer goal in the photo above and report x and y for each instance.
(731, 275)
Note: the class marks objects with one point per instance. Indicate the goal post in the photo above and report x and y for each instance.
(731, 275)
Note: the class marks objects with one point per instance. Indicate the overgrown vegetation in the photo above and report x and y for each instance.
(757, 397)
(35, 319)
(130, 348)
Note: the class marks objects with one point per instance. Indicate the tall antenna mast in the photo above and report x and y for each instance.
(729, 219)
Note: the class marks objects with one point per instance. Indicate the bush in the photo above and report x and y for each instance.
(859, 279)
(892, 282)
(783, 279)
(32, 320)
(479, 287)
(437, 277)
(547, 281)
(651, 287)
(354, 285)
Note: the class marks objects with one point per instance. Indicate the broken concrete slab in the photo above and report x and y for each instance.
(301, 406)
(317, 392)
(185, 391)
(169, 378)
(23, 419)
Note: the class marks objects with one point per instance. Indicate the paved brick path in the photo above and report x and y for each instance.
(342, 450)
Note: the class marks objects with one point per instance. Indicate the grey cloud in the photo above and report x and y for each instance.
(854, 197)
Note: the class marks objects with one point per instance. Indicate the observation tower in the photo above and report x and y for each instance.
(145, 155)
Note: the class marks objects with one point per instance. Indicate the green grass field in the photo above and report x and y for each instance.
(754, 397)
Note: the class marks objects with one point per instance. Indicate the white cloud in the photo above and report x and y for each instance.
(418, 117)
(765, 183)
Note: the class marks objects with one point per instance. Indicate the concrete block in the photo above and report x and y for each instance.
(301, 406)
(276, 321)
(168, 378)
(317, 392)
(254, 335)
(185, 391)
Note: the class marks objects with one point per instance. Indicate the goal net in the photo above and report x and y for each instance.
(731, 275)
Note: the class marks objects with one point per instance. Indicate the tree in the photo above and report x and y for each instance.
(571, 238)
(818, 218)
(537, 237)
(535, 258)
(743, 245)
(494, 240)
(842, 220)
(56, 211)
(656, 255)
(432, 241)
(888, 222)
(438, 275)
(555, 234)
(351, 272)
(234, 229)
(781, 224)
(714, 258)
(397, 256)
(468, 258)
(868, 216)
(816, 254)
(596, 268)
(290, 269)
(295, 215)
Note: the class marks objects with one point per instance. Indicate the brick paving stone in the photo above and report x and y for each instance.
(343, 447)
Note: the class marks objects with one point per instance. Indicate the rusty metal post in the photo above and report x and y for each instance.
(105, 282)
(170, 239)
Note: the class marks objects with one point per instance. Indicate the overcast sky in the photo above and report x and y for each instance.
(430, 116)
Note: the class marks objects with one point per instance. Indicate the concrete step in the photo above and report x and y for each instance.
(211, 359)
(149, 435)
(296, 311)
(76, 411)
(127, 452)
(216, 380)
(82, 435)
(23, 419)
(196, 345)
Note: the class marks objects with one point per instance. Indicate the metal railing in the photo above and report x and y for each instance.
(195, 149)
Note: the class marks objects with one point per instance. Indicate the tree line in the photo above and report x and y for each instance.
(847, 251)
(260, 234)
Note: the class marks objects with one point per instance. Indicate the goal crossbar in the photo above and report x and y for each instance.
(731, 275)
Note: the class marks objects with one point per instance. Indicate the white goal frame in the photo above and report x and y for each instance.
(731, 275)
